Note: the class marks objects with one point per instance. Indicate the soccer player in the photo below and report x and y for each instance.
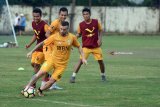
(39, 27)
(90, 30)
(62, 42)
(55, 25)
(54, 28)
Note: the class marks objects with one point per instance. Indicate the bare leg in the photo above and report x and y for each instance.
(76, 69)
(77, 66)
(34, 79)
(102, 68)
(46, 86)
(36, 68)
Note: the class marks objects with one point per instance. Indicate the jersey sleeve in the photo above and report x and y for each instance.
(53, 26)
(99, 27)
(46, 27)
(49, 40)
(75, 42)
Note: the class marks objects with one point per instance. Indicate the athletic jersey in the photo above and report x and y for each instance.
(61, 47)
(54, 27)
(39, 31)
(90, 33)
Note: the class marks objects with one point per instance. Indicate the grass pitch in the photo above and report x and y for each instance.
(133, 80)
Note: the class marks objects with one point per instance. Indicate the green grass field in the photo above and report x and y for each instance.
(133, 80)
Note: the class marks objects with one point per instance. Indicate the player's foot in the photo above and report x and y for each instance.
(39, 92)
(103, 78)
(55, 87)
(72, 80)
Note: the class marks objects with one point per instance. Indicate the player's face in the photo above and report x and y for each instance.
(86, 16)
(36, 17)
(63, 30)
(63, 15)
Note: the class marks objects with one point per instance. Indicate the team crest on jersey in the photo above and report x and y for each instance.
(69, 41)
(90, 32)
(36, 32)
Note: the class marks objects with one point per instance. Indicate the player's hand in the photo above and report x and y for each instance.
(84, 61)
(29, 55)
(27, 46)
(99, 42)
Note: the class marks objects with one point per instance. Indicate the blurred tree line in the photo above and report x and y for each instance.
(150, 3)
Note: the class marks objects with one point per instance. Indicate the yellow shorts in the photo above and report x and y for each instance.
(47, 50)
(97, 53)
(57, 69)
(37, 57)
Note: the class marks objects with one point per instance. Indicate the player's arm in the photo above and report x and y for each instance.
(31, 42)
(77, 44)
(78, 35)
(35, 48)
(99, 34)
(84, 61)
(46, 27)
(51, 28)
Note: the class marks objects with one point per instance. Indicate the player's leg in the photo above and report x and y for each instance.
(37, 60)
(35, 66)
(78, 65)
(47, 51)
(102, 68)
(76, 69)
(57, 74)
(34, 79)
(97, 52)
(46, 86)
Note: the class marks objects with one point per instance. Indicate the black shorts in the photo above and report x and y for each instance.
(22, 28)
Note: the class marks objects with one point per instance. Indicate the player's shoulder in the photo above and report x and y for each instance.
(33, 22)
(81, 22)
(95, 19)
(56, 21)
(71, 35)
(42, 21)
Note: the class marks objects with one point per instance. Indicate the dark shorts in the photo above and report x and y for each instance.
(16, 28)
(22, 28)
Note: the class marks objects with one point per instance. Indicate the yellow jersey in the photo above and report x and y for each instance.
(61, 47)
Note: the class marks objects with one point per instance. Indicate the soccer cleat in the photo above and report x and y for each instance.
(72, 80)
(39, 92)
(103, 78)
(55, 87)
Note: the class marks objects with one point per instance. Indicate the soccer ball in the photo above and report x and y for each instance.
(29, 93)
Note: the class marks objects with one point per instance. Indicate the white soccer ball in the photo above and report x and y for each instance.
(5, 44)
(29, 93)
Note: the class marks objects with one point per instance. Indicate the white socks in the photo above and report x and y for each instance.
(74, 74)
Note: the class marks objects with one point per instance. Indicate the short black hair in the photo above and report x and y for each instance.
(65, 23)
(86, 10)
(64, 9)
(37, 10)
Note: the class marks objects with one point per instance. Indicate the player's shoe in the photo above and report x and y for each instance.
(39, 92)
(55, 87)
(72, 80)
(103, 78)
